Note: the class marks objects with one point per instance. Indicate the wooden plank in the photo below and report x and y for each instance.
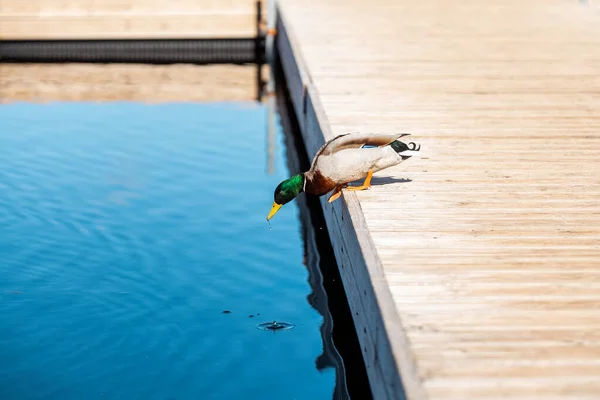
(126, 82)
(477, 264)
(146, 19)
(134, 27)
(368, 295)
(94, 7)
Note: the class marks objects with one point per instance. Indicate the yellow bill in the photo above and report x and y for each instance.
(274, 210)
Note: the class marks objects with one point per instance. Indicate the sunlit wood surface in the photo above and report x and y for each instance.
(126, 82)
(489, 244)
(104, 19)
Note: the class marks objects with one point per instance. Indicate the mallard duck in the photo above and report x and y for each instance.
(341, 160)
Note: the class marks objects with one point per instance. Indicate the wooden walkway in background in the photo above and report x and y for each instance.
(42, 83)
(479, 276)
(127, 19)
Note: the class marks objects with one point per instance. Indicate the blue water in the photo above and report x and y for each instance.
(125, 232)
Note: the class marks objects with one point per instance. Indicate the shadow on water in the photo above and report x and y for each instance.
(341, 349)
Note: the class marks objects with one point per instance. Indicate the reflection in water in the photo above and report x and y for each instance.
(330, 358)
(319, 260)
(271, 133)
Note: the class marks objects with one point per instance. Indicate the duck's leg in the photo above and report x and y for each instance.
(337, 192)
(366, 184)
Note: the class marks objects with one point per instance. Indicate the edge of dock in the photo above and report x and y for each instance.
(390, 363)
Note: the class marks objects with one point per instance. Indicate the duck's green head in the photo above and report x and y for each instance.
(285, 192)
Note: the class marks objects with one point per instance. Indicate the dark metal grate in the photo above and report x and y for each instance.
(153, 51)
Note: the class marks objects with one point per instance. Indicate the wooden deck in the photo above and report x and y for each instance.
(126, 19)
(477, 277)
(126, 82)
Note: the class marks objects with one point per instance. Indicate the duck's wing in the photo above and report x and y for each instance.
(355, 141)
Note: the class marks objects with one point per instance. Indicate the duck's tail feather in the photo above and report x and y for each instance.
(405, 151)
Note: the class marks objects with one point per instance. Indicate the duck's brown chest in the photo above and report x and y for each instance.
(318, 184)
